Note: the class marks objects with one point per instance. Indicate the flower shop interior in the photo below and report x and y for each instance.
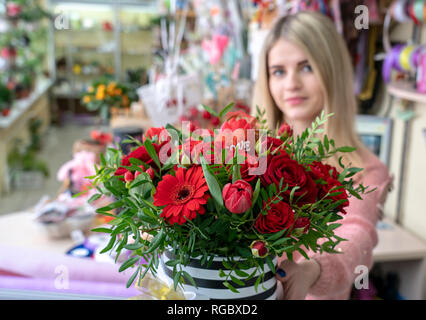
(79, 77)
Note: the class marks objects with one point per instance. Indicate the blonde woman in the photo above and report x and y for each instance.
(305, 68)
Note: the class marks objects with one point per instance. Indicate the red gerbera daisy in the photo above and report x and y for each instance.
(183, 195)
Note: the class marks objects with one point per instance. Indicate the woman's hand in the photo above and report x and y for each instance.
(298, 279)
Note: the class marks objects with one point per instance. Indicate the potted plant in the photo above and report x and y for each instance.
(212, 211)
(6, 98)
(107, 96)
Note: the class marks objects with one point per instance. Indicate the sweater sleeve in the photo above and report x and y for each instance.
(359, 229)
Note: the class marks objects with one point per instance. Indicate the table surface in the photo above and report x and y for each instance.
(19, 229)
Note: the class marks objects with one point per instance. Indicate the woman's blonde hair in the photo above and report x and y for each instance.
(330, 60)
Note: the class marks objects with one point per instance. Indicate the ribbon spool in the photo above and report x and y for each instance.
(418, 9)
(405, 58)
(391, 61)
(400, 12)
(410, 10)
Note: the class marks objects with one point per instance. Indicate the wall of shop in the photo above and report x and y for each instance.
(413, 211)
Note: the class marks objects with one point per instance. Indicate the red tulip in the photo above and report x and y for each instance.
(237, 196)
(258, 249)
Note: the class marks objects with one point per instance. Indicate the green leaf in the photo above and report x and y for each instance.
(111, 206)
(156, 241)
(189, 278)
(277, 235)
(109, 245)
(212, 183)
(151, 151)
(94, 197)
(346, 149)
(241, 273)
(256, 192)
(230, 287)
(210, 110)
(176, 279)
(226, 264)
(132, 278)
(104, 230)
(128, 263)
(270, 263)
(256, 284)
(237, 281)
(226, 110)
(172, 263)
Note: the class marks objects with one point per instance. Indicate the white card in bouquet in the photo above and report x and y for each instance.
(171, 97)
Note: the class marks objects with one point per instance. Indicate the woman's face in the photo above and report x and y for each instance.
(294, 87)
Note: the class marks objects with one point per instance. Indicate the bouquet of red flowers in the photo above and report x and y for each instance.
(235, 199)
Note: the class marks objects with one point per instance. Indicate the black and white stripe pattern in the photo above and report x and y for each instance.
(210, 284)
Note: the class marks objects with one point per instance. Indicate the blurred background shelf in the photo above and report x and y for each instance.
(98, 38)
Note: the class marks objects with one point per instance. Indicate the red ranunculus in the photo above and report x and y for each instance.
(183, 195)
(280, 216)
(294, 174)
(237, 196)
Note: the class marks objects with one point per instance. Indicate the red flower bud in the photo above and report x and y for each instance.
(194, 112)
(258, 249)
(285, 131)
(128, 176)
(207, 115)
(301, 225)
(215, 121)
(237, 196)
(150, 171)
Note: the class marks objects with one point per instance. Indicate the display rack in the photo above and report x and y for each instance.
(89, 51)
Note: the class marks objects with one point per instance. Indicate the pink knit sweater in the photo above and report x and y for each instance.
(359, 228)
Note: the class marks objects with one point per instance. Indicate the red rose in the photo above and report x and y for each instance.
(326, 177)
(294, 174)
(258, 249)
(161, 133)
(272, 144)
(332, 183)
(141, 154)
(322, 171)
(280, 216)
(237, 196)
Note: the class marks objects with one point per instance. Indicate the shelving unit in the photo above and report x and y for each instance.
(89, 49)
